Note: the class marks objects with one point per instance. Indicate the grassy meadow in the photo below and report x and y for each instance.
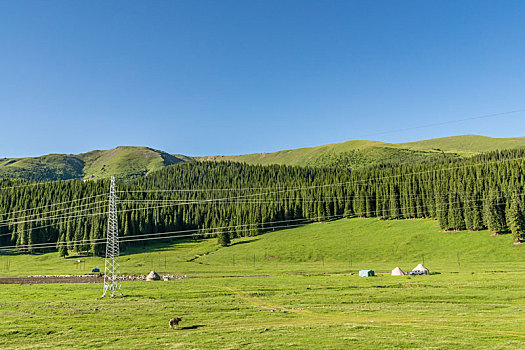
(294, 288)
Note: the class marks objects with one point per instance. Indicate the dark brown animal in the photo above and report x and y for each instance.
(175, 322)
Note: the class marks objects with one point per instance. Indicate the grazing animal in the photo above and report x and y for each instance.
(175, 321)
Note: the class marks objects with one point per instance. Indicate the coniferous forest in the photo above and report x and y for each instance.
(234, 200)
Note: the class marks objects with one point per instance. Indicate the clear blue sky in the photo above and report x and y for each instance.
(231, 77)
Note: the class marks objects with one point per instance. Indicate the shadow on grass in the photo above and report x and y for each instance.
(195, 326)
(157, 247)
(246, 241)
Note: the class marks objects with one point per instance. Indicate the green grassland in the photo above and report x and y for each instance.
(465, 311)
(293, 288)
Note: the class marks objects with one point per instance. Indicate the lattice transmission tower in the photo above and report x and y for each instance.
(112, 283)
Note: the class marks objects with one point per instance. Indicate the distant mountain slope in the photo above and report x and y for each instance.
(49, 167)
(123, 162)
(355, 154)
(303, 156)
(350, 154)
(466, 144)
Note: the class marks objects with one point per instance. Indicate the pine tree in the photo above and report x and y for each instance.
(348, 208)
(473, 212)
(394, 204)
(62, 247)
(442, 212)
(516, 218)
(492, 213)
(223, 238)
(455, 213)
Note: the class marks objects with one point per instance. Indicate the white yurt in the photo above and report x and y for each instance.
(397, 272)
(153, 276)
(421, 269)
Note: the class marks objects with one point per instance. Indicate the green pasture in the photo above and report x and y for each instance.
(315, 311)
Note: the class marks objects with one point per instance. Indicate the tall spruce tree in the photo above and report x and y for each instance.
(455, 213)
(62, 247)
(476, 215)
(442, 212)
(516, 218)
(492, 212)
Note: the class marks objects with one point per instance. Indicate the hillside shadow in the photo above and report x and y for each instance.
(245, 242)
(9, 253)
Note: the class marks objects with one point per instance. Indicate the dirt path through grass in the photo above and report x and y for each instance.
(319, 318)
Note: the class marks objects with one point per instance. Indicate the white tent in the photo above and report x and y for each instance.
(397, 272)
(420, 268)
(153, 276)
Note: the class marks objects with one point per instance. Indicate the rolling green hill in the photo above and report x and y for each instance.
(355, 154)
(123, 162)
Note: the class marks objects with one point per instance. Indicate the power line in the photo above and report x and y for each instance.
(485, 116)
(286, 189)
(212, 230)
(201, 202)
(53, 204)
(298, 199)
(208, 201)
(55, 217)
(289, 189)
(68, 210)
(31, 184)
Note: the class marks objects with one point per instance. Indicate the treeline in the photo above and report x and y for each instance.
(234, 200)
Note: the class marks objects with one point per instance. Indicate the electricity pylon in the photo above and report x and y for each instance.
(112, 282)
